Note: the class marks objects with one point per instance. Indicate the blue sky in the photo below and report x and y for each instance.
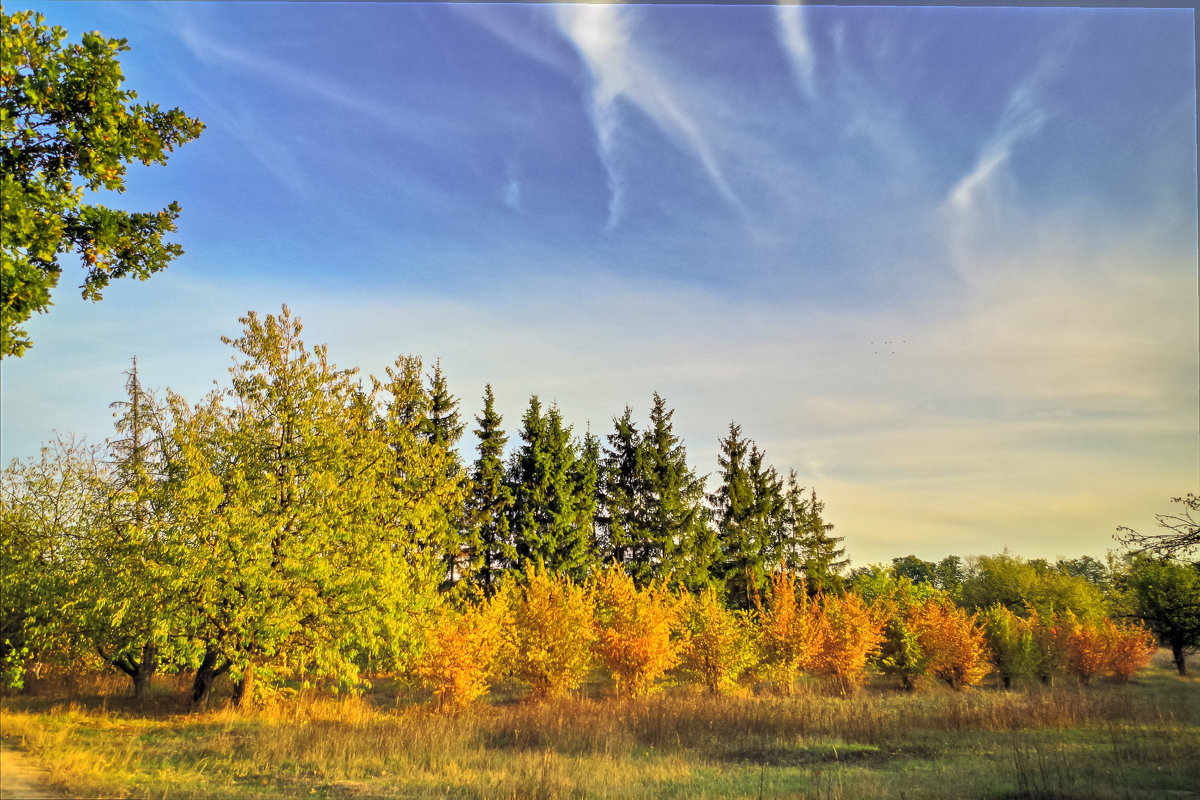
(940, 261)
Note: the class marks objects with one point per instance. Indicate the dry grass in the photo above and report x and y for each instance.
(1104, 741)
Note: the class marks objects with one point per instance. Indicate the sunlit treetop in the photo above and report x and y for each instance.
(67, 126)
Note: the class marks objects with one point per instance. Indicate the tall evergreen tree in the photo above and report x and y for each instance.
(672, 510)
(739, 567)
(130, 605)
(585, 477)
(767, 515)
(490, 500)
(424, 462)
(441, 424)
(553, 495)
(824, 557)
(621, 491)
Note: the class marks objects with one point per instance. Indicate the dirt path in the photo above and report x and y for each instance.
(22, 779)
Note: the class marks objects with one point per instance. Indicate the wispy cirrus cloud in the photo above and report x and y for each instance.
(793, 36)
(621, 71)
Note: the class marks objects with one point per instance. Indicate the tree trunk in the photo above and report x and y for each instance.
(206, 674)
(144, 672)
(243, 690)
(1177, 655)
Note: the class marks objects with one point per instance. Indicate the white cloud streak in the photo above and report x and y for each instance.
(793, 36)
(621, 71)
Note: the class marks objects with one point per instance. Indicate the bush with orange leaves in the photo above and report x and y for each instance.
(1085, 651)
(460, 651)
(1130, 648)
(1105, 648)
(952, 642)
(849, 633)
(718, 645)
(547, 641)
(634, 630)
(788, 630)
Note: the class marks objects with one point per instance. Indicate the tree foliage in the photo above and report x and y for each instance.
(460, 649)
(634, 629)
(549, 635)
(69, 127)
(1165, 594)
(719, 644)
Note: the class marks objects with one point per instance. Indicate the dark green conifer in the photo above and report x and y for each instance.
(679, 544)
(490, 500)
(739, 566)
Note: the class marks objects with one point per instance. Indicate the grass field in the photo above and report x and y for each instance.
(1140, 740)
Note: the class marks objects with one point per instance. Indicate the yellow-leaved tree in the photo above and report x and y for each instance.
(953, 644)
(719, 646)
(850, 633)
(788, 630)
(1130, 648)
(459, 658)
(634, 629)
(547, 641)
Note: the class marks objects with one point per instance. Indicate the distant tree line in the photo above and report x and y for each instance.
(305, 524)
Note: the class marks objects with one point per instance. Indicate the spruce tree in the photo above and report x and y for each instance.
(739, 567)
(549, 505)
(490, 500)
(621, 491)
(441, 425)
(824, 557)
(130, 604)
(672, 508)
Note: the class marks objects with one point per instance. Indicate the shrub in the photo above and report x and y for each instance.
(634, 630)
(1129, 648)
(953, 644)
(460, 652)
(788, 630)
(1010, 645)
(547, 642)
(718, 647)
(849, 634)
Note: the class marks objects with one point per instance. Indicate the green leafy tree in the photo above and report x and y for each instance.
(1019, 584)
(304, 517)
(490, 499)
(1166, 595)
(48, 510)
(69, 127)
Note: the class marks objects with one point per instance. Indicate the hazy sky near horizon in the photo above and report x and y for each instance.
(941, 261)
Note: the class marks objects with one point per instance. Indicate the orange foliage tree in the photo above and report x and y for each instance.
(849, 634)
(459, 655)
(718, 646)
(788, 630)
(1086, 648)
(953, 645)
(547, 641)
(1129, 647)
(634, 630)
